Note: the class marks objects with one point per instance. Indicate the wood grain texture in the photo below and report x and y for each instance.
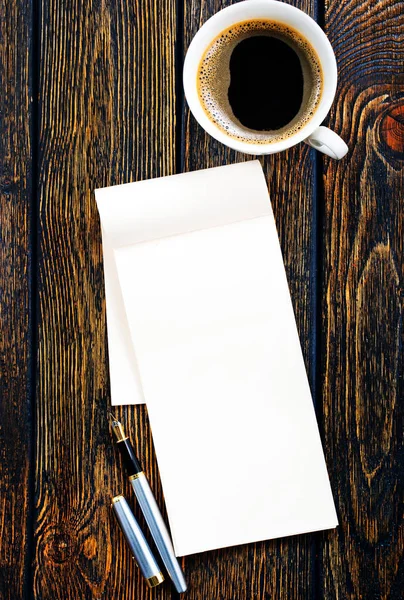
(362, 308)
(15, 298)
(277, 569)
(106, 117)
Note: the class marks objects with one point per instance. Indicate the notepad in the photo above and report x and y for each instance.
(201, 328)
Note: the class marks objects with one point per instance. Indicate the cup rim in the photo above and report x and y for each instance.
(203, 39)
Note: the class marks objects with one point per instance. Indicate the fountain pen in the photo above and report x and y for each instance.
(148, 505)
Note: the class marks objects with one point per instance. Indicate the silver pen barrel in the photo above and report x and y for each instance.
(158, 529)
(137, 542)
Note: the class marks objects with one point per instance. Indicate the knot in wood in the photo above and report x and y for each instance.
(60, 546)
(392, 129)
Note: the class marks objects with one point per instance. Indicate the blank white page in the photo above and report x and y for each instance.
(156, 208)
(223, 377)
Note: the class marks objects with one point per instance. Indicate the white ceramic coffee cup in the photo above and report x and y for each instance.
(312, 133)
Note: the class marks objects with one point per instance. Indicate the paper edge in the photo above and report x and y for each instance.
(121, 185)
(179, 554)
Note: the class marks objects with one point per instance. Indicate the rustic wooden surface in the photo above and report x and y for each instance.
(106, 116)
(91, 96)
(16, 283)
(362, 304)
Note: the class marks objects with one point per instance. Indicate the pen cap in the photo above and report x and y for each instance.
(137, 542)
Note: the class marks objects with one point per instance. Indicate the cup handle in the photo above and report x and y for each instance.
(328, 142)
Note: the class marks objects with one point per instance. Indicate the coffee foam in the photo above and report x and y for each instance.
(214, 80)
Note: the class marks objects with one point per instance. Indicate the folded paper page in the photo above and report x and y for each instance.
(151, 209)
(217, 356)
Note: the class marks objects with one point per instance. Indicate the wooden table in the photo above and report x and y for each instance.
(90, 96)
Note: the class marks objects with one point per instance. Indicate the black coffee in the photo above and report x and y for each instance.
(265, 94)
(260, 81)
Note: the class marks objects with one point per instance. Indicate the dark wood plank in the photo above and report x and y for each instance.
(362, 308)
(15, 298)
(106, 117)
(276, 569)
